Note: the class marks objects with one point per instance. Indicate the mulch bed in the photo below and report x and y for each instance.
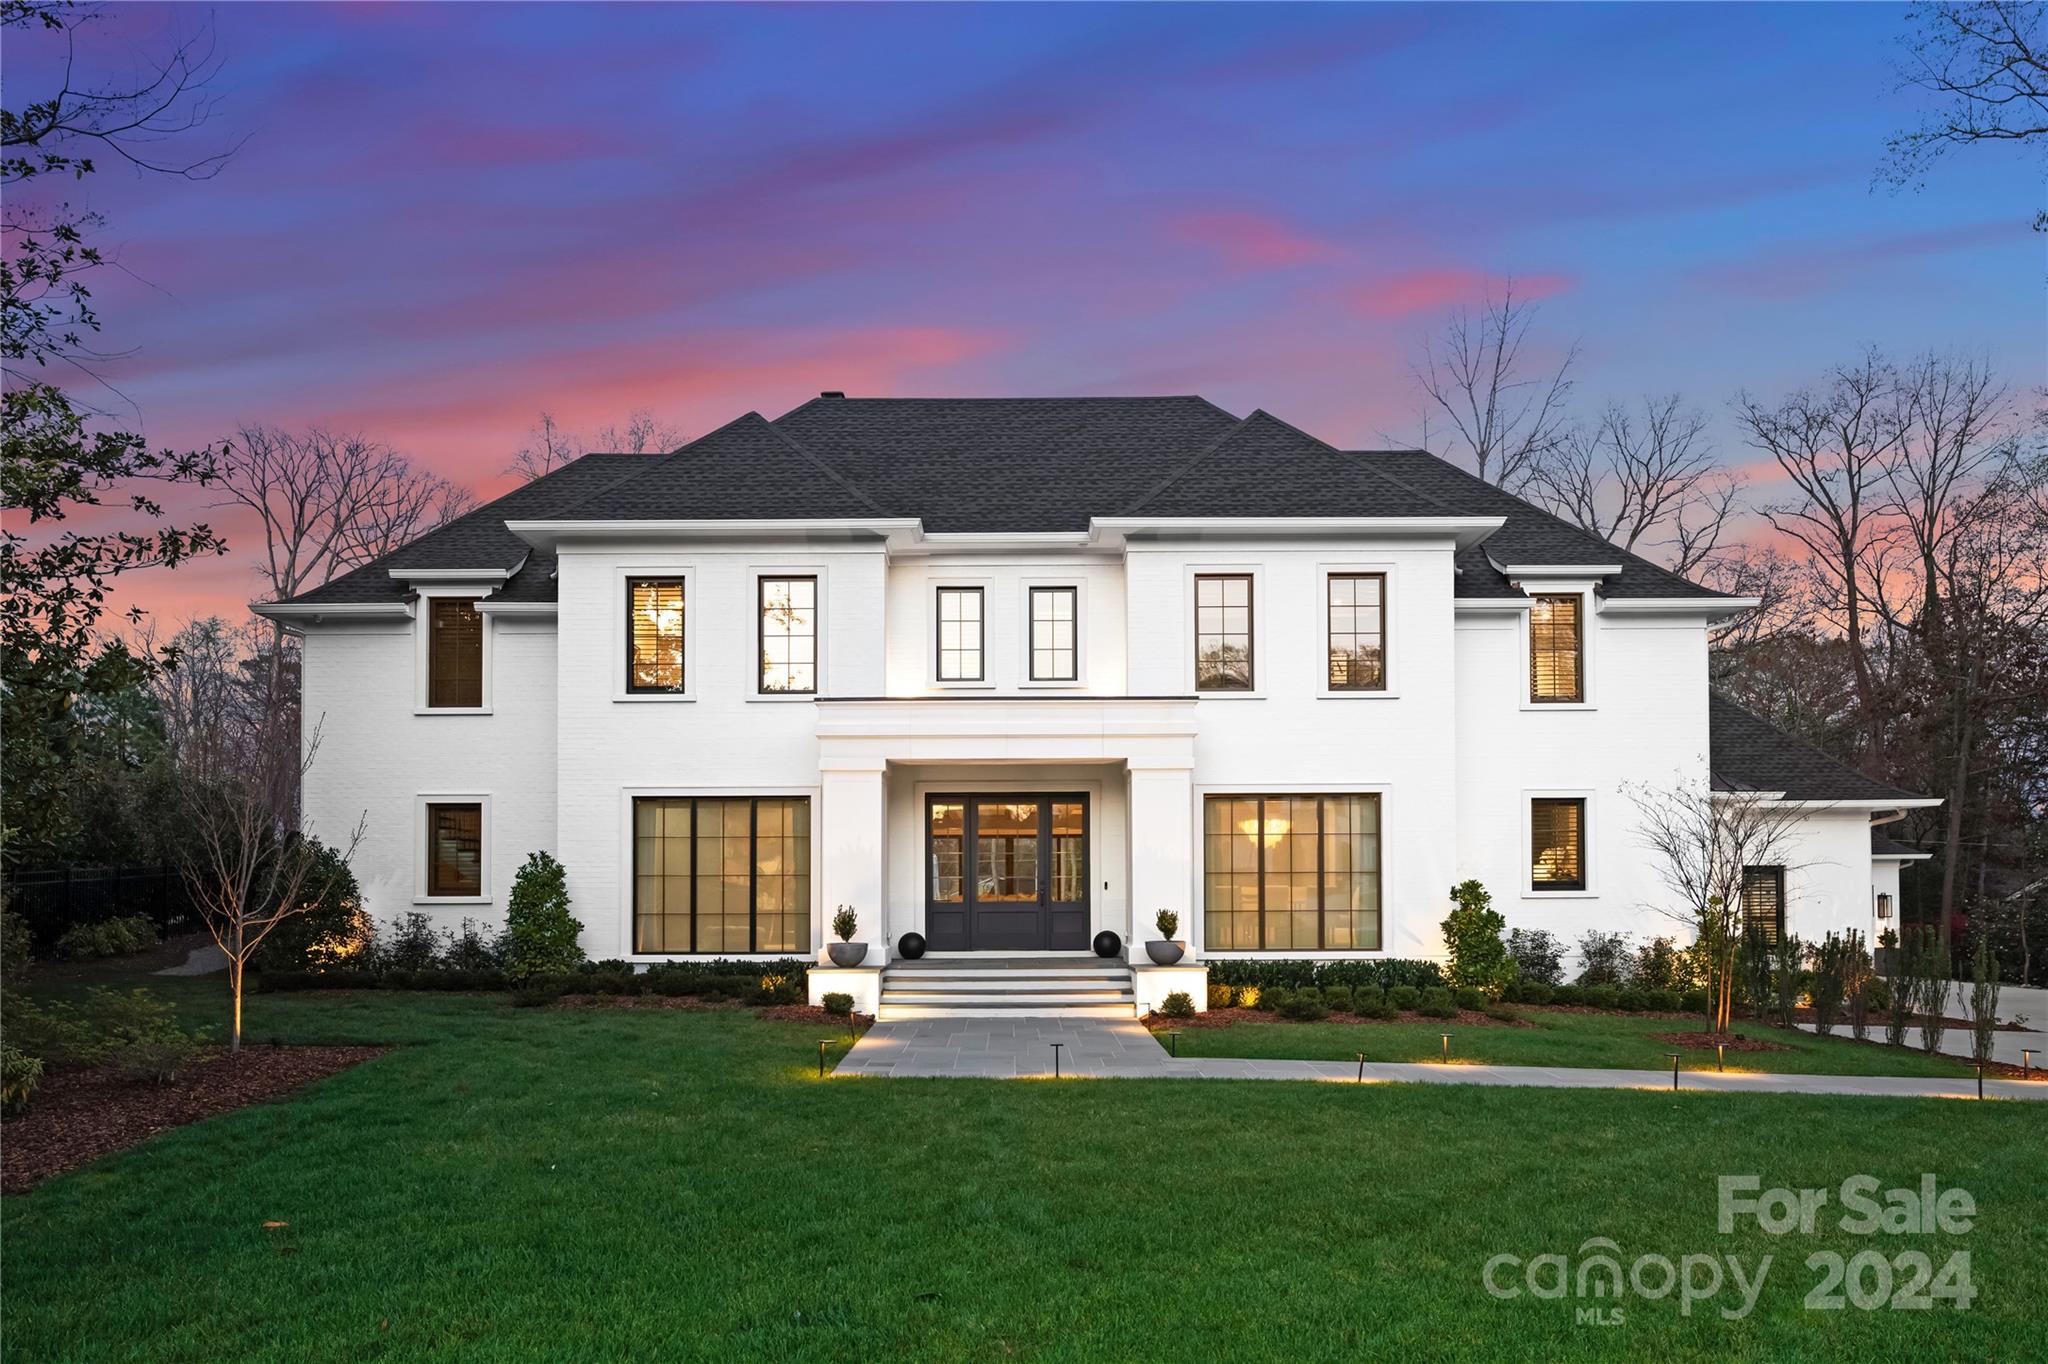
(1707, 1041)
(811, 1013)
(1225, 1018)
(778, 1013)
(81, 1115)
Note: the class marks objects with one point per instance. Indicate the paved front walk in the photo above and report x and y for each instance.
(1014, 1048)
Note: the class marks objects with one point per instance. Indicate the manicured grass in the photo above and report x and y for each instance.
(535, 1184)
(1560, 1039)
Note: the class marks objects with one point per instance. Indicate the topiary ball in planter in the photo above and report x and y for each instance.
(1108, 944)
(910, 946)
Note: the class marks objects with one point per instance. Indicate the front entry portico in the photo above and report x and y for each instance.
(1006, 872)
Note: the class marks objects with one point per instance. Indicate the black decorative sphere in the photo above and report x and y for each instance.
(1108, 944)
(910, 945)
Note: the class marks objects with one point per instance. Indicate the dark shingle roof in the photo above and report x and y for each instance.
(1748, 753)
(743, 470)
(1882, 845)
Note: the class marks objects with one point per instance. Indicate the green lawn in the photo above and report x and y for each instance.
(527, 1184)
(1560, 1039)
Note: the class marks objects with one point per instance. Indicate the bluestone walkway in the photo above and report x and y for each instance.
(1022, 1048)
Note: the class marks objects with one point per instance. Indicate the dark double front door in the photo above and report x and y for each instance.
(1006, 873)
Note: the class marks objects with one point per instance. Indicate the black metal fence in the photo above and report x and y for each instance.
(53, 900)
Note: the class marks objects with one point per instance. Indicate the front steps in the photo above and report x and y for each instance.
(1007, 987)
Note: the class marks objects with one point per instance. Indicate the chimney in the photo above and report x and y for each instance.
(831, 393)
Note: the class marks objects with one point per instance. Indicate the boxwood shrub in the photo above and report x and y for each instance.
(1295, 973)
(1437, 1002)
(1403, 997)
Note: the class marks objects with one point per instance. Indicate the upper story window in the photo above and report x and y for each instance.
(1557, 838)
(455, 654)
(1053, 654)
(1223, 632)
(960, 634)
(1557, 650)
(789, 635)
(654, 634)
(1358, 622)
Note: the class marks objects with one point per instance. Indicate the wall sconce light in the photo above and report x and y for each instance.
(1884, 905)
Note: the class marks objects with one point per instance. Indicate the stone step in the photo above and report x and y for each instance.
(933, 980)
(1008, 997)
(891, 1012)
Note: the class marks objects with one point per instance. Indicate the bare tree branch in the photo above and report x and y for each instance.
(1647, 481)
(1508, 416)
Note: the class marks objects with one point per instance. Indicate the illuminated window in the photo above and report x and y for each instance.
(1557, 653)
(1223, 632)
(455, 849)
(721, 875)
(1557, 838)
(960, 634)
(654, 635)
(1358, 620)
(1291, 873)
(1053, 653)
(455, 654)
(789, 635)
(1763, 902)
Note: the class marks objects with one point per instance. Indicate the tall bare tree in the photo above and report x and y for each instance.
(1507, 412)
(1986, 66)
(548, 447)
(1645, 479)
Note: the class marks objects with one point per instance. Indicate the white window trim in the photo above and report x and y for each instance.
(935, 585)
(1389, 855)
(1391, 656)
(422, 854)
(628, 794)
(1079, 681)
(1260, 662)
(1589, 852)
(755, 574)
(621, 603)
(1588, 665)
(423, 630)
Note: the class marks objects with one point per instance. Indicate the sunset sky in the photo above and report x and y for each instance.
(444, 219)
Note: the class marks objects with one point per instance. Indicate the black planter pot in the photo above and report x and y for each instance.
(1108, 944)
(910, 946)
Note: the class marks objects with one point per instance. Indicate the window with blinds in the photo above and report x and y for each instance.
(455, 849)
(1763, 902)
(654, 635)
(1557, 837)
(1556, 650)
(1357, 619)
(455, 654)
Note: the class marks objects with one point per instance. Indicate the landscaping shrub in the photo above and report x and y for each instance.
(1469, 997)
(1829, 981)
(1436, 1002)
(1303, 1006)
(1221, 996)
(1983, 1001)
(1368, 1000)
(131, 1029)
(1295, 973)
(1568, 995)
(537, 993)
(541, 936)
(1669, 1001)
(1404, 997)
(1600, 996)
(16, 948)
(1788, 976)
(1501, 1013)
(1603, 958)
(838, 1004)
(336, 933)
(107, 938)
(1933, 965)
(1537, 954)
(1479, 959)
(411, 945)
(1632, 1000)
(1530, 992)
(20, 1073)
(1694, 1001)
(1337, 998)
(474, 949)
(1274, 999)
(1179, 1004)
(1753, 970)
(1659, 965)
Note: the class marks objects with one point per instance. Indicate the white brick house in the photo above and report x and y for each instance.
(1011, 673)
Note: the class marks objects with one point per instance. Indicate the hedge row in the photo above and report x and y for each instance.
(1297, 974)
(1629, 999)
(779, 981)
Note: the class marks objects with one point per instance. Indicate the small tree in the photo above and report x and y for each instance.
(1983, 1002)
(1856, 982)
(1902, 987)
(1936, 974)
(1829, 984)
(541, 937)
(334, 932)
(1472, 937)
(1537, 954)
(1603, 957)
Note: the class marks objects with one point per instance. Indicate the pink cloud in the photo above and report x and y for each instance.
(1417, 291)
(1803, 269)
(1253, 241)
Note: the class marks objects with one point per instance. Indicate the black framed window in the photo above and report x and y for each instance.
(960, 634)
(654, 635)
(1054, 654)
(1291, 873)
(1357, 607)
(1557, 653)
(455, 848)
(721, 874)
(1763, 902)
(455, 654)
(1223, 632)
(789, 635)
(1557, 843)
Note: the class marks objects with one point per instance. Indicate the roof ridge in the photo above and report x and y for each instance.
(1163, 484)
(657, 461)
(827, 469)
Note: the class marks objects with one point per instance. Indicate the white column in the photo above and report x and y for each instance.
(1162, 855)
(852, 843)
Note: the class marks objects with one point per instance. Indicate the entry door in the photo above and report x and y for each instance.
(1006, 873)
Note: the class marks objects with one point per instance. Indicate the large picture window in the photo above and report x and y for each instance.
(455, 849)
(1223, 632)
(1557, 654)
(1054, 657)
(960, 634)
(724, 874)
(1763, 902)
(1358, 624)
(1291, 873)
(1557, 843)
(455, 654)
(789, 635)
(654, 635)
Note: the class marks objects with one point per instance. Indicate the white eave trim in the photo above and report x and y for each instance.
(522, 609)
(1489, 606)
(1900, 857)
(1465, 530)
(1554, 570)
(333, 610)
(1824, 806)
(548, 534)
(456, 575)
(1709, 608)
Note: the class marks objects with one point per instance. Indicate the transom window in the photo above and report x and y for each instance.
(789, 635)
(1358, 619)
(455, 654)
(455, 849)
(654, 635)
(1557, 838)
(1291, 873)
(1054, 657)
(724, 874)
(960, 634)
(1763, 902)
(1223, 632)
(1557, 654)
